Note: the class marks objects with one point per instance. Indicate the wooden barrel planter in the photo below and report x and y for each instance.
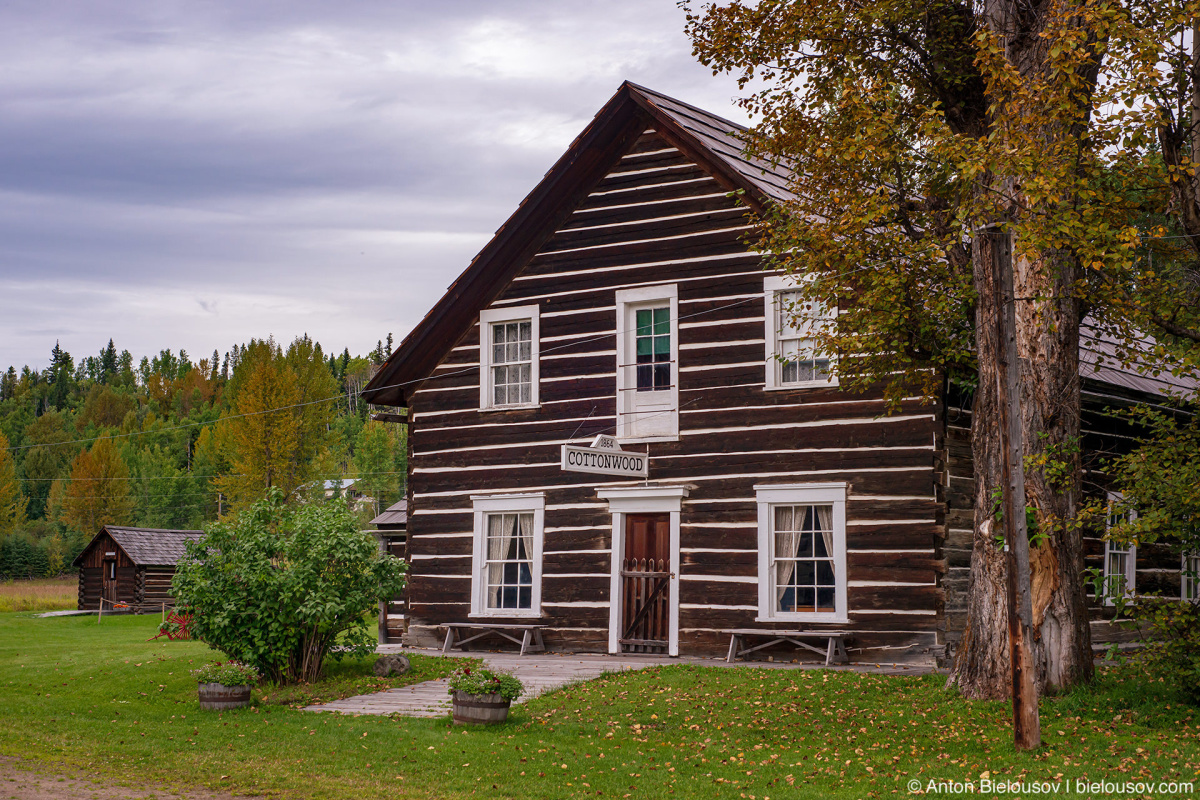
(479, 709)
(219, 697)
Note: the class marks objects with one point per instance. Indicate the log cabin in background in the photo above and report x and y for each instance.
(390, 527)
(130, 566)
(621, 299)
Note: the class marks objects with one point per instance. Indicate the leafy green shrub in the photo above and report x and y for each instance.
(280, 587)
(227, 673)
(478, 680)
(1171, 644)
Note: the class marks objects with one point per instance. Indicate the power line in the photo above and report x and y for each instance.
(179, 427)
(348, 394)
(191, 475)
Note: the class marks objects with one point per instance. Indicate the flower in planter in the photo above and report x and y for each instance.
(227, 673)
(484, 681)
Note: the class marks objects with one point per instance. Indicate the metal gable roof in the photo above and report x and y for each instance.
(725, 140)
(395, 514)
(707, 138)
(1099, 361)
(717, 144)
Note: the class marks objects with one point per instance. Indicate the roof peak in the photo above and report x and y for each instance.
(712, 142)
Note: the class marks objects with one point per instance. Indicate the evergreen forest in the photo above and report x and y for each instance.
(171, 442)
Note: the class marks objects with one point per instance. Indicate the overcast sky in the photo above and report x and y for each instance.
(193, 174)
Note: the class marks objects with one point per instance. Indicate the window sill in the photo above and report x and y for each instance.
(646, 439)
(805, 385)
(507, 613)
(814, 617)
(521, 407)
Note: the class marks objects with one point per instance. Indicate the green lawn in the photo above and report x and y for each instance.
(102, 698)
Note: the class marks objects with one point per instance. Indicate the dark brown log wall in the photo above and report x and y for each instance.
(91, 579)
(659, 219)
(144, 588)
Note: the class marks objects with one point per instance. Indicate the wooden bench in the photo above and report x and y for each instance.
(834, 650)
(530, 640)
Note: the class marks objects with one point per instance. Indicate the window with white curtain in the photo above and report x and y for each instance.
(509, 563)
(802, 552)
(804, 572)
(507, 557)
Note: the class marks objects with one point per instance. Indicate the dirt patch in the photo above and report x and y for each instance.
(27, 780)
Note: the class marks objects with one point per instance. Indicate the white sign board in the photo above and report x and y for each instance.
(603, 459)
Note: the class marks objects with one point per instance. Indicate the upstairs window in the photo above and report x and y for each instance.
(653, 344)
(793, 324)
(512, 363)
(508, 357)
(648, 363)
(1120, 560)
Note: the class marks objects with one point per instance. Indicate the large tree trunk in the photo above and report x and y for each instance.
(1048, 345)
(1048, 318)
(982, 667)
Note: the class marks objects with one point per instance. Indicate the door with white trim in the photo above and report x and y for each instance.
(645, 584)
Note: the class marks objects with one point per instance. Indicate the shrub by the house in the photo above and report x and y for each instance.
(284, 588)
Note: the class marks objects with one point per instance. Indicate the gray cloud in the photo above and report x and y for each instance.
(181, 174)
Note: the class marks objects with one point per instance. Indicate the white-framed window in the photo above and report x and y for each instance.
(1120, 560)
(792, 357)
(802, 552)
(508, 357)
(1189, 581)
(648, 363)
(506, 576)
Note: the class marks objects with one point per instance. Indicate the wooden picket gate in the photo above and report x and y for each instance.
(645, 584)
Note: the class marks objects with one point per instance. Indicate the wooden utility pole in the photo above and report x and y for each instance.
(1027, 732)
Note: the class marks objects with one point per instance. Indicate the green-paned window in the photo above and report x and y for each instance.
(653, 348)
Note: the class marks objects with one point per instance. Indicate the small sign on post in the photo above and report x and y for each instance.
(605, 457)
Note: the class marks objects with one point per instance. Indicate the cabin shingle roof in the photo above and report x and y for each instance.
(153, 546)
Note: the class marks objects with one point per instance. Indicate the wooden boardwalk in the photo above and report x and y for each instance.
(542, 673)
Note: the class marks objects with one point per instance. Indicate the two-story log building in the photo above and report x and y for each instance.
(621, 299)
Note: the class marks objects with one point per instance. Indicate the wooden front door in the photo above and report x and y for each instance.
(110, 581)
(645, 584)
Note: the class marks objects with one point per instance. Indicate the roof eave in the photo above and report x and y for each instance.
(78, 562)
(615, 126)
(622, 119)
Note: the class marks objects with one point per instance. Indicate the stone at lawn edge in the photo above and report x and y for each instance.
(392, 664)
